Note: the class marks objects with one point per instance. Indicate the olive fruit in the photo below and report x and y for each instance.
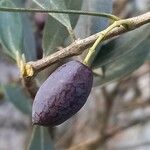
(62, 94)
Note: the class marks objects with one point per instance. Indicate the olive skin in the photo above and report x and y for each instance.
(63, 94)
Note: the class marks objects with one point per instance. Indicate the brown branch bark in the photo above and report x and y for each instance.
(79, 46)
(100, 140)
(132, 106)
(108, 107)
(133, 147)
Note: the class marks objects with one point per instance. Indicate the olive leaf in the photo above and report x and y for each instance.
(16, 95)
(88, 25)
(57, 5)
(29, 46)
(53, 36)
(11, 33)
(40, 139)
(123, 55)
(55, 33)
(19, 3)
(73, 5)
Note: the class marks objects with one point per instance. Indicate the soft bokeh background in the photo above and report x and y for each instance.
(122, 105)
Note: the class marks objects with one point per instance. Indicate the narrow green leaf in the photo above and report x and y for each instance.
(16, 95)
(19, 3)
(148, 58)
(125, 65)
(88, 25)
(55, 33)
(99, 23)
(11, 35)
(58, 5)
(74, 5)
(40, 139)
(29, 45)
(123, 56)
(53, 36)
(121, 46)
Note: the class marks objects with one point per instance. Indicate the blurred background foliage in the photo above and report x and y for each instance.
(119, 111)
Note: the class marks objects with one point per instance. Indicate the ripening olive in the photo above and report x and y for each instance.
(63, 94)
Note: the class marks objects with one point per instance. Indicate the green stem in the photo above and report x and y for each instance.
(79, 12)
(92, 51)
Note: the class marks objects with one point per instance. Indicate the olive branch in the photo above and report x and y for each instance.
(119, 26)
(77, 47)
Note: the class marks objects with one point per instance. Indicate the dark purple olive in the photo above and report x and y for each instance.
(63, 94)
